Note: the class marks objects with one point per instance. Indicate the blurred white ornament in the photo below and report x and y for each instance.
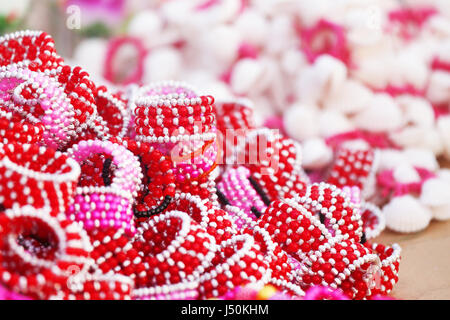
(406, 214)
(245, 75)
(436, 195)
(439, 87)
(421, 158)
(90, 54)
(301, 122)
(381, 114)
(405, 173)
(252, 26)
(350, 98)
(333, 122)
(417, 111)
(162, 64)
(419, 137)
(316, 154)
(145, 25)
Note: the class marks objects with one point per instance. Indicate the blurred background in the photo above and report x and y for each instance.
(337, 65)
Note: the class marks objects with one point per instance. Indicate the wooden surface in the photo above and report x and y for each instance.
(425, 266)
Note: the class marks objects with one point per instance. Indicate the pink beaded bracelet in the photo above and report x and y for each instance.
(39, 99)
(107, 206)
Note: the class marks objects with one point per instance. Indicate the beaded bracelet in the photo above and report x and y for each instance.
(278, 172)
(278, 261)
(37, 176)
(34, 50)
(335, 209)
(179, 291)
(158, 183)
(233, 117)
(355, 167)
(38, 98)
(96, 286)
(215, 221)
(40, 250)
(373, 221)
(15, 129)
(171, 248)
(240, 192)
(237, 262)
(390, 262)
(325, 259)
(172, 113)
(193, 159)
(111, 205)
(114, 111)
(112, 50)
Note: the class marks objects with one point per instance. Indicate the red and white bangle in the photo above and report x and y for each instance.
(108, 205)
(215, 221)
(39, 251)
(172, 113)
(338, 213)
(238, 262)
(390, 262)
(193, 159)
(34, 50)
(171, 248)
(373, 219)
(233, 118)
(13, 128)
(355, 167)
(278, 172)
(39, 99)
(36, 176)
(325, 259)
(96, 286)
(158, 183)
(114, 111)
(179, 291)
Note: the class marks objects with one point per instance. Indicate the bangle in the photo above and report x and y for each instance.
(30, 89)
(109, 205)
(239, 192)
(172, 113)
(114, 46)
(355, 167)
(158, 182)
(325, 259)
(373, 219)
(34, 50)
(36, 176)
(96, 286)
(197, 159)
(180, 291)
(114, 111)
(233, 118)
(237, 263)
(338, 213)
(215, 221)
(390, 263)
(15, 129)
(175, 248)
(40, 250)
(278, 172)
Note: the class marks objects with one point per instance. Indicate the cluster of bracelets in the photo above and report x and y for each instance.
(128, 195)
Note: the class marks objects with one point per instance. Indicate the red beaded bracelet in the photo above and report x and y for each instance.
(36, 176)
